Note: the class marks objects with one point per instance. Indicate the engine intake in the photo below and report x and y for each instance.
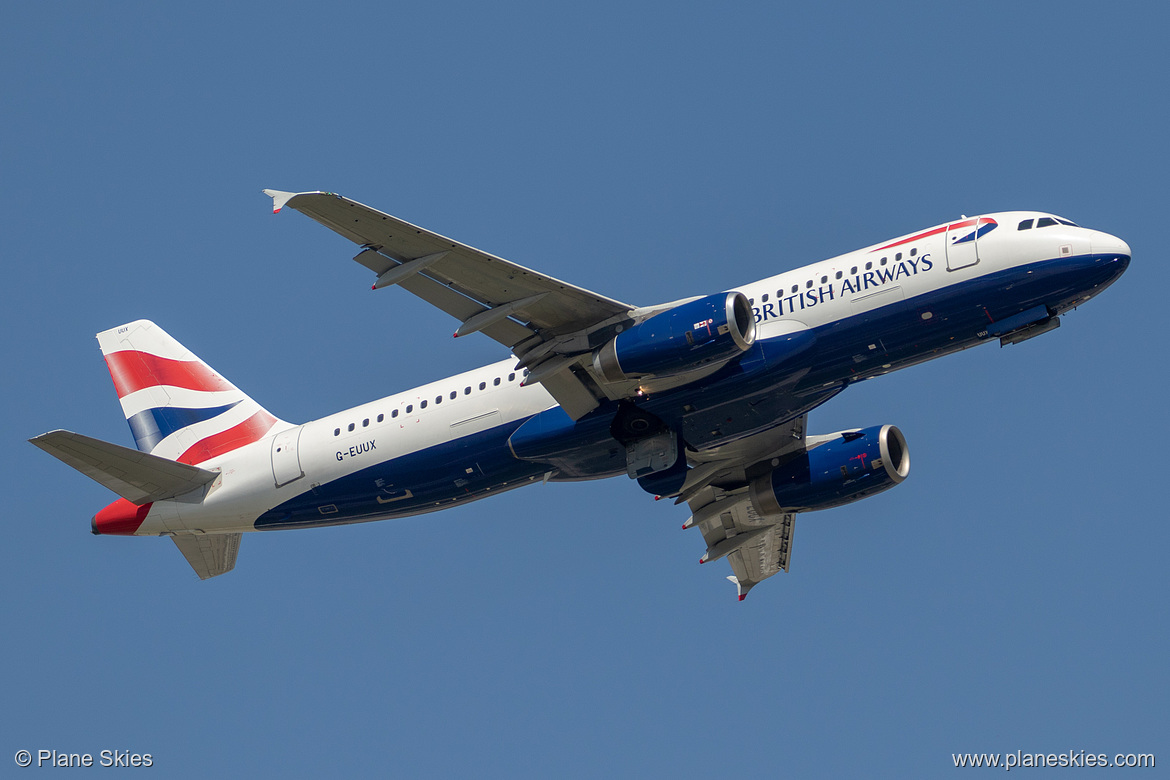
(685, 338)
(853, 466)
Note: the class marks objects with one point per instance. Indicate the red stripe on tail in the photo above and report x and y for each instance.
(250, 430)
(132, 370)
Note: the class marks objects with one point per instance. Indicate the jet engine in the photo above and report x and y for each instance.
(694, 335)
(838, 470)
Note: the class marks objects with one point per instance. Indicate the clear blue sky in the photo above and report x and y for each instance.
(1012, 594)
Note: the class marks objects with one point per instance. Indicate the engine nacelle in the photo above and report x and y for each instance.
(848, 468)
(688, 337)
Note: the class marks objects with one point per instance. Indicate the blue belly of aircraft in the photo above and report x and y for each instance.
(764, 388)
(434, 478)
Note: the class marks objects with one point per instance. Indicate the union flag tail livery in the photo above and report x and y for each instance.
(177, 406)
(703, 400)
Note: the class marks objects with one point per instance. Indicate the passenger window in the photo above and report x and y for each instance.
(839, 274)
(467, 390)
(438, 399)
(764, 299)
(453, 394)
(422, 404)
(795, 289)
(351, 426)
(1026, 224)
(897, 257)
(366, 423)
(824, 279)
(336, 431)
(882, 261)
(482, 385)
(913, 252)
(381, 417)
(511, 377)
(868, 266)
(853, 270)
(808, 284)
(1045, 222)
(496, 382)
(409, 408)
(394, 413)
(751, 301)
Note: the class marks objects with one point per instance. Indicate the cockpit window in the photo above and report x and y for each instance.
(1045, 222)
(1026, 224)
(1068, 222)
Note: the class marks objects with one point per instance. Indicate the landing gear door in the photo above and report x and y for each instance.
(962, 244)
(286, 457)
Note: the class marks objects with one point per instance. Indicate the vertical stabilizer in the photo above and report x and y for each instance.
(176, 405)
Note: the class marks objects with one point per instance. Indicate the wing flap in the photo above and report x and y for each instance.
(724, 517)
(138, 477)
(768, 554)
(210, 555)
(461, 307)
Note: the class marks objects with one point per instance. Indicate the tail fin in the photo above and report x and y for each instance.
(177, 406)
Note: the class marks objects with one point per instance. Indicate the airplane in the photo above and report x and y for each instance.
(703, 400)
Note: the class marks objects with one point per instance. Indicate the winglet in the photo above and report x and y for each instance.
(741, 588)
(279, 198)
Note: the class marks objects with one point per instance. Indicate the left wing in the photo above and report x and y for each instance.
(548, 324)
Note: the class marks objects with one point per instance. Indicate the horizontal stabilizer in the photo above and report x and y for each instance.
(138, 477)
(209, 554)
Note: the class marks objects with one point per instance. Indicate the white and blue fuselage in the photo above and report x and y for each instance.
(819, 329)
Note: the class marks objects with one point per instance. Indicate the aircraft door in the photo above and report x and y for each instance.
(286, 457)
(962, 244)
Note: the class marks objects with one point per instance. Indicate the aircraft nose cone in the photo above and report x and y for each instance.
(1110, 255)
(1105, 244)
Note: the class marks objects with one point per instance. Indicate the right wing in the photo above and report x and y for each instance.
(756, 546)
(548, 324)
